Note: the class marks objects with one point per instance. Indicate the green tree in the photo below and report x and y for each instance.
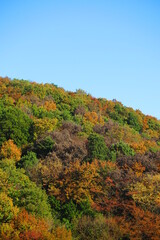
(134, 121)
(97, 148)
(15, 125)
(43, 146)
(23, 192)
(120, 148)
(28, 160)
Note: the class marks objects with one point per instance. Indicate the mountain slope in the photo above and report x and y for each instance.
(92, 164)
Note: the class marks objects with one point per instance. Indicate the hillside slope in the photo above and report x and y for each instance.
(76, 167)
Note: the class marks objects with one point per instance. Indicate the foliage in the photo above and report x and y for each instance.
(147, 193)
(15, 125)
(42, 126)
(89, 166)
(26, 226)
(28, 161)
(89, 228)
(75, 182)
(25, 193)
(10, 150)
(134, 121)
(121, 148)
(43, 146)
(7, 210)
(97, 148)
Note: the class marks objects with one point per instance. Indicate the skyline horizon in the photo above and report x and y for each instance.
(88, 93)
(108, 48)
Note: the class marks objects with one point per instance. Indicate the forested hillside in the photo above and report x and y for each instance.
(76, 167)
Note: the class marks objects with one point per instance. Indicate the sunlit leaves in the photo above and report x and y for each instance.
(23, 192)
(75, 182)
(147, 192)
(50, 106)
(7, 210)
(59, 157)
(93, 118)
(10, 151)
(45, 125)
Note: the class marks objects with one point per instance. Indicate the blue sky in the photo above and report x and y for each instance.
(108, 48)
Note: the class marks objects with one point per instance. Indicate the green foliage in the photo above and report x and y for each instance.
(97, 148)
(133, 121)
(44, 146)
(86, 209)
(65, 212)
(78, 119)
(65, 114)
(87, 127)
(55, 207)
(158, 143)
(119, 149)
(70, 211)
(119, 114)
(105, 119)
(40, 112)
(63, 106)
(24, 193)
(115, 116)
(89, 228)
(15, 125)
(7, 210)
(6, 101)
(153, 125)
(57, 96)
(68, 161)
(28, 161)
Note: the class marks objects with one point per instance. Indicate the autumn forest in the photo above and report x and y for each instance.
(76, 167)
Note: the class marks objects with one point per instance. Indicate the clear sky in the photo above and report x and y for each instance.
(109, 48)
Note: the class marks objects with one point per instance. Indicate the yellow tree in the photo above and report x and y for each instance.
(147, 192)
(50, 106)
(93, 118)
(76, 182)
(10, 151)
(44, 125)
(7, 210)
